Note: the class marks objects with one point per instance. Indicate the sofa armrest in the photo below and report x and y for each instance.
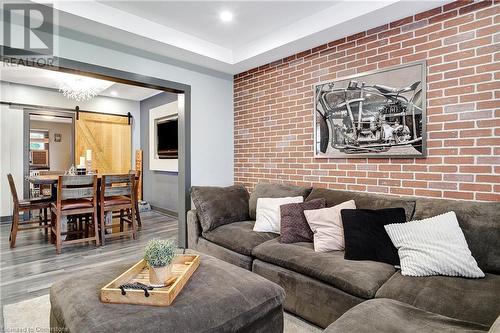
(193, 229)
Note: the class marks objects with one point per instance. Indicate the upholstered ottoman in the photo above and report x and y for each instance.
(219, 297)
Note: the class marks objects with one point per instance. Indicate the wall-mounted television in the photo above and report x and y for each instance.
(167, 139)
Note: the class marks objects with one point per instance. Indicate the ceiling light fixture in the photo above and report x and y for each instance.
(113, 93)
(226, 16)
(81, 88)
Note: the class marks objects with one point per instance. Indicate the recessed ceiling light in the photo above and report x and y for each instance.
(113, 93)
(226, 16)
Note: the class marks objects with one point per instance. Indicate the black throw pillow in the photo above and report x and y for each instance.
(365, 235)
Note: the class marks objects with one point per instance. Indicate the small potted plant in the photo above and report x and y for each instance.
(159, 255)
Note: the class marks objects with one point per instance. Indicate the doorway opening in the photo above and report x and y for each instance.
(51, 139)
(183, 104)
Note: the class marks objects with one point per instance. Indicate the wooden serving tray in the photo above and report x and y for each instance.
(183, 267)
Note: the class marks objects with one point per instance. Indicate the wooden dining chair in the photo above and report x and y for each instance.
(47, 189)
(72, 220)
(76, 195)
(137, 174)
(117, 193)
(23, 206)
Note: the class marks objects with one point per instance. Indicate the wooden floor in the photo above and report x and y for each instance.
(30, 269)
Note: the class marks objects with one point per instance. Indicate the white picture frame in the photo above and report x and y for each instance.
(162, 112)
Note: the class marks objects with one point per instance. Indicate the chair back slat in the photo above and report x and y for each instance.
(112, 185)
(76, 187)
(13, 190)
(112, 179)
(85, 180)
(77, 193)
(118, 190)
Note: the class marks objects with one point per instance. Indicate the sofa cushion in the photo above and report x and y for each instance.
(238, 236)
(313, 300)
(217, 206)
(266, 190)
(386, 315)
(358, 278)
(364, 200)
(474, 300)
(479, 221)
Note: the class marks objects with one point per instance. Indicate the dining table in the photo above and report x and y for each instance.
(54, 179)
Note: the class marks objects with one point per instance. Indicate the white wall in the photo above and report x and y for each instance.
(11, 124)
(11, 136)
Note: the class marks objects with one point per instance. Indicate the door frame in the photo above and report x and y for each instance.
(26, 137)
(184, 104)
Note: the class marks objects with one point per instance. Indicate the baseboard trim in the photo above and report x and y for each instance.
(165, 211)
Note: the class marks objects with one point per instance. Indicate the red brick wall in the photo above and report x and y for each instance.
(273, 107)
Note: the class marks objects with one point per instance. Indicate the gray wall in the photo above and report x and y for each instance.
(159, 187)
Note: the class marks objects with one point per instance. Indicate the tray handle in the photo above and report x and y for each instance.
(135, 286)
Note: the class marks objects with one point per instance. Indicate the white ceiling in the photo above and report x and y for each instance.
(261, 32)
(38, 77)
(201, 18)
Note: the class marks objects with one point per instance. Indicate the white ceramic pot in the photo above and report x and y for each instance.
(159, 275)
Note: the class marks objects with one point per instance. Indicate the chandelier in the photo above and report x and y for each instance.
(80, 88)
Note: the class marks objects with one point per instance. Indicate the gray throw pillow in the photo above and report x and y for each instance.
(217, 206)
(294, 226)
(266, 190)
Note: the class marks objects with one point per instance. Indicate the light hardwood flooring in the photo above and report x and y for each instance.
(32, 267)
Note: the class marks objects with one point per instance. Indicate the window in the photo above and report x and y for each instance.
(38, 134)
(37, 146)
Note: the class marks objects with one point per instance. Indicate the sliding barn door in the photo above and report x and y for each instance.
(109, 138)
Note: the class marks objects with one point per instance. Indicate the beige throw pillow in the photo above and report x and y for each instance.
(268, 213)
(326, 223)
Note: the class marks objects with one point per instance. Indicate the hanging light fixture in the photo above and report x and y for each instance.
(80, 88)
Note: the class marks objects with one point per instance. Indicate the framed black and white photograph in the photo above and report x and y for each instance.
(374, 114)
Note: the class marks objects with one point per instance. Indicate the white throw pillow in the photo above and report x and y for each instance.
(433, 246)
(326, 224)
(268, 217)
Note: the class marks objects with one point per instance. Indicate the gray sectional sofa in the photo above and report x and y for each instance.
(321, 287)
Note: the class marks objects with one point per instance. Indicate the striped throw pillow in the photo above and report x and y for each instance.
(433, 246)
